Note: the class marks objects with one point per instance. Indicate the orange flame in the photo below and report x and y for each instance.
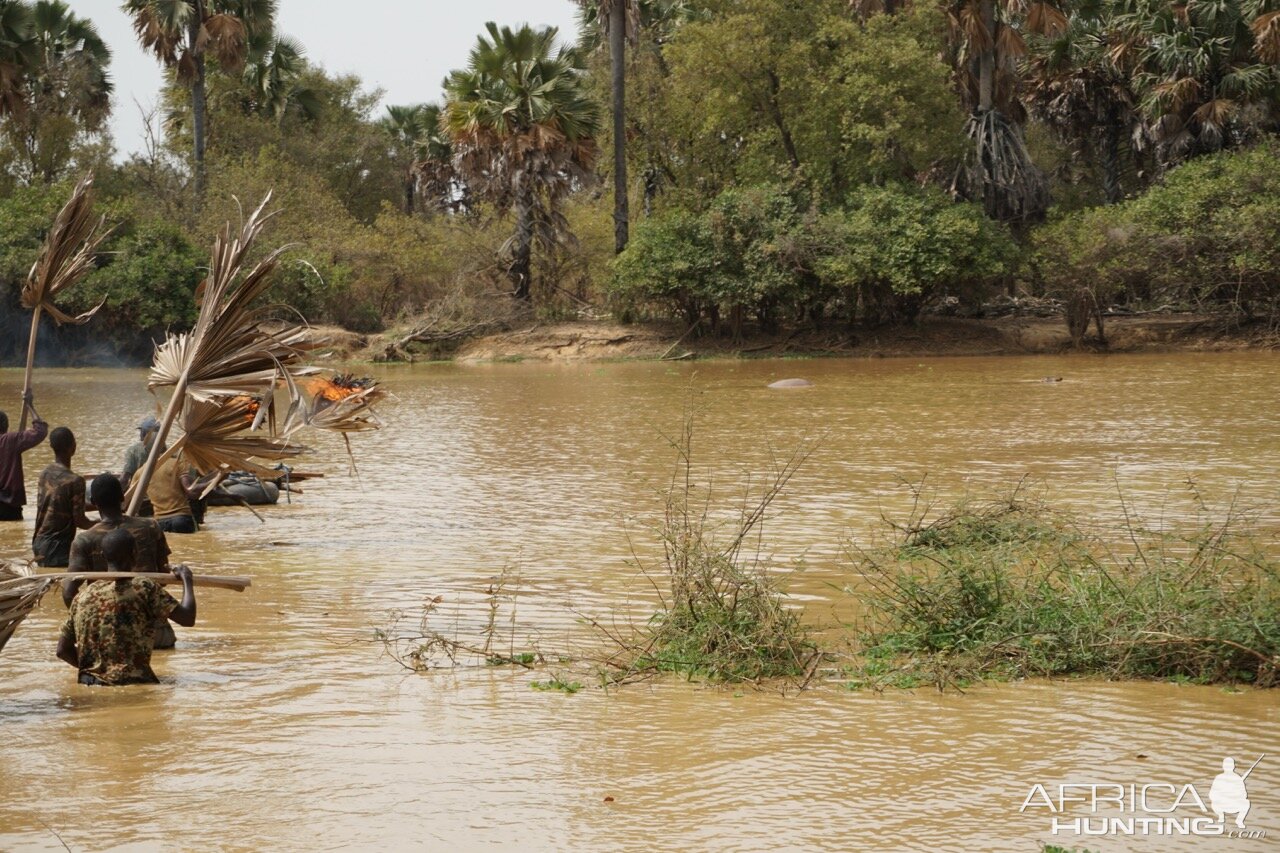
(338, 387)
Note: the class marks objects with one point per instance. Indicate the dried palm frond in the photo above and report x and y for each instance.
(342, 403)
(20, 592)
(227, 353)
(218, 437)
(66, 256)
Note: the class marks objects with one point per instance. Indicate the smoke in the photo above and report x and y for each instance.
(68, 346)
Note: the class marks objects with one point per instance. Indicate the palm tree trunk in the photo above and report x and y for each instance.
(617, 46)
(1111, 164)
(987, 58)
(522, 255)
(198, 106)
(409, 192)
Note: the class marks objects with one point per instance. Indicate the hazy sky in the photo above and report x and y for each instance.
(404, 47)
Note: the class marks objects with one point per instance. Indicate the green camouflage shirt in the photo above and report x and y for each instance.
(150, 548)
(111, 626)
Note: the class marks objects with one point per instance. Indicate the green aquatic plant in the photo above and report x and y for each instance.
(1012, 589)
(722, 617)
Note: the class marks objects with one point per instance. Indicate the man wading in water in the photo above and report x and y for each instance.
(171, 491)
(59, 503)
(13, 494)
(107, 635)
(150, 548)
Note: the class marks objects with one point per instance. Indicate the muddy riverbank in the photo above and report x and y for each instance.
(932, 336)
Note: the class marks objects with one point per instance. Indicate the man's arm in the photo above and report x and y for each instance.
(33, 435)
(77, 506)
(185, 613)
(70, 588)
(67, 644)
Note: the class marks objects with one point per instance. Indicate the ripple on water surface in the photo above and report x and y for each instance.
(279, 725)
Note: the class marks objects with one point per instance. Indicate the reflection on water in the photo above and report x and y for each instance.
(275, 728)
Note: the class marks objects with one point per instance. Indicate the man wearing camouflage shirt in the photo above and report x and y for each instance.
(151, 549)
(107, 635)
(60, 503)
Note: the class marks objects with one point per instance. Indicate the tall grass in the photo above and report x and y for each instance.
(1010, 588)
(722, 615)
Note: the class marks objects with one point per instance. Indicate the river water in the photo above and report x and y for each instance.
(280, 725)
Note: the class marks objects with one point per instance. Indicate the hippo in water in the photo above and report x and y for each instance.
(791, 383)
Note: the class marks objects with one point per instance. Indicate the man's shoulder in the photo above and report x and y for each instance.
(138, 524)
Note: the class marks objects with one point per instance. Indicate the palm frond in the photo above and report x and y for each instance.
(219, 437)
(66, 256)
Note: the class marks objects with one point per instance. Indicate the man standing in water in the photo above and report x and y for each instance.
(170, 491)
(136, 455)
(107, 635)
(13, 493)
(59, 503)
(151, 550)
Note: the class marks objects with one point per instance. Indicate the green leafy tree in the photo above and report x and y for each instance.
(67, 94)
(766, 91)
(182, 33)
(893, 250)
(524, 134)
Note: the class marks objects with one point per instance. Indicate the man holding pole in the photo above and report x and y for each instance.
(150, 551)
(13, 493)
(108, 633)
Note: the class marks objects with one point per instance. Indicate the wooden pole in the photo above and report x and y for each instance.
(31, 361)
(234, 582)
(139, 486)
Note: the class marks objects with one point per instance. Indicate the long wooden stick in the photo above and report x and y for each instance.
(234, 582)
(139, 488)
(31, 361)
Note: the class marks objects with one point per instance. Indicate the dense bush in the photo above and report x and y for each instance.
(890, 252)
(1208, 236)
(147, 271)
(884, 256)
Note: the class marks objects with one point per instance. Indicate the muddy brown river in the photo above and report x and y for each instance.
(279, 725)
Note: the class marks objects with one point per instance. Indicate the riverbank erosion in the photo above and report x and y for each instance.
(600, 340)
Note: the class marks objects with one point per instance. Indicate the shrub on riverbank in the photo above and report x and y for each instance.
(1207, 237)
(1011, 589)
(760, 254)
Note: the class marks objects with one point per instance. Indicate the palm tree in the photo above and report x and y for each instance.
(181, 33)
(1079, 83)
(273, 74)
(1201, 68)
(17, 55)
(523, 130)
(987, 45)
(407, 127)
(420, 143)
(621, 24)
(66, 87)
